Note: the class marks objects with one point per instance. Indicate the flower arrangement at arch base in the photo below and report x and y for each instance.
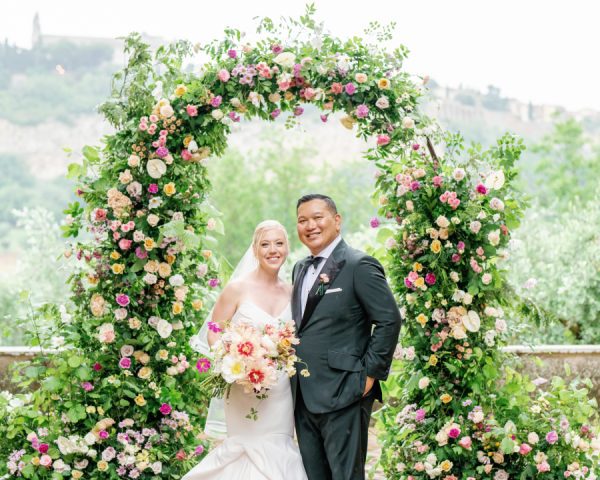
(466, 411)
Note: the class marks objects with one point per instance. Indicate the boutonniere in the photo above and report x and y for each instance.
(323, 283)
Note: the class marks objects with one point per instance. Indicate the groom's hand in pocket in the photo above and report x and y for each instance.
(368, 386)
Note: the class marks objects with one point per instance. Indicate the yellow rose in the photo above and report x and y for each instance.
(436, 246)
(76, 474)
(162, 354)
(145, 373)
(445, 398)
(92, 279)
(420, 282)
(417, 267)
(180, 90)
(422, 319)
(102, 466)
(433, 360)
(383, 83)
(140, 400)
(115, 255)
(288, 96)
(97, 304)
(118, 268)
(187, 140)
(177, 308)
(446, 465)
(35, 461)
(151, 266)
(149, 244)
(164, 270)
(169, 189)
(170, 259)
(207, 254)
(90, 409)
(197, 304)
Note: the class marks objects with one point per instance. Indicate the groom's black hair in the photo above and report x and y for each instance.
(318, 196)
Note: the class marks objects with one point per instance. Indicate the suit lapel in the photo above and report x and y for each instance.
(297, 293)
(332, 267)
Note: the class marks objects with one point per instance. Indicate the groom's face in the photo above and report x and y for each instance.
(317, 225)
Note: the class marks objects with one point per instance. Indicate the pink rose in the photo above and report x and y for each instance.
(383, 140)
(543, 467)
(552, 437)
(45, 461)
(125, 244)
(232, 53)
(165, 409)
(199, 450)
(362, 111)
(350, 88)
(141, 253)
(465, 442)
(186, 155)
(456, 257)
(224, 75)
(192, 110)
(437, 181)
(275, 113)
(337, 88)
(88, 387)
(122, 299)
(43, 448)
(481, 189)
(460, 246)
(454, 432)
(430, 278)
(125, 362)
(524, 449)
(216, 101)
(103, 434)
(153, 188)
(180, 455)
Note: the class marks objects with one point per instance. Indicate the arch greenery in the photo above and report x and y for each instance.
(123, 399)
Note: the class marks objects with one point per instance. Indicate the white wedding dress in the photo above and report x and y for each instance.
(262, 449)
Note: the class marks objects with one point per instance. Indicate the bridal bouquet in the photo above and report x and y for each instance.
(252, 357)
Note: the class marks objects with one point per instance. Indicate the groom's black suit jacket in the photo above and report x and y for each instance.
(347, 334)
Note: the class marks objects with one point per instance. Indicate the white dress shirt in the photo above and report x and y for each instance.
(313, 271)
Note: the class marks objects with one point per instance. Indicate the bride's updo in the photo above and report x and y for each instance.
(262, 227)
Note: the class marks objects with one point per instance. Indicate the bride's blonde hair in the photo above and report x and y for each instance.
(262, 227)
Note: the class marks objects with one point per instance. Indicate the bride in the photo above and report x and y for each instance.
(261, 449)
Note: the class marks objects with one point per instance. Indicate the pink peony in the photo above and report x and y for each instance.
(162, 152)
(350, 88)
(552, 437)
(414, 186)
(298, 111)
(153, 188)
(224, 75)
(465, 442)
(203, 365)
(125, 362)
(524, 449)
(199, 450)
(122, 299)
(362, 111)
(165, 409)
(192, 110)
(383, 140)
(430, 278)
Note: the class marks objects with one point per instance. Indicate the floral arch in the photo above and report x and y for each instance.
(123, 400)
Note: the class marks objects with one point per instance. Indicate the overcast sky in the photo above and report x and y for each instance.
(545, 51)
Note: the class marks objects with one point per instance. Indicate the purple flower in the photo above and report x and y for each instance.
(430, 278)
(141, 253)
(216, 101)
(203, 365)
(232, 53)
(298, 111)
(125, 362)
(374, 222)
(415, 185)
(165, 409)
(213, 282)
(214, 327)
(199, 450)
(362, 111)
(420, 415)
(350, 88)
(122, 299)
(552, 437)
(162, 152)
(275, 113)
(153, 188)
(87, 386)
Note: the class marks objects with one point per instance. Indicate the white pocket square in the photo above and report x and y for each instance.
(333, 290)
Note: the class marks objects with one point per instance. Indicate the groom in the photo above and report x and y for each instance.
(348, 324)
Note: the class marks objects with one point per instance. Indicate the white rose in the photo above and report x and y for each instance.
(166, 111)
(455, 220)
(133, 161)
(442, 222)
(235, 102)
(285, 59)
(481, 215)
(90, 438)
(408, 122)
(156, 467)
(497, 204)
(475, 226)
(454, 277)
(501, 325)
(431, 459)
(156, 168)
(458, 174)
(423, 383)
(176, 280)
(496, 217)
(150, 278)
(217, 114)
(442, 438)
(134, 189)
(471, 321)
(477, 416)
(164, 328)
(467, 299)
(127, 350)
(494, 237)
(459, 332)
(495, 180)
(138, 236)
(382, 102)
(458, 295)
(489, 338)
(486, 278)
(153, 220)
